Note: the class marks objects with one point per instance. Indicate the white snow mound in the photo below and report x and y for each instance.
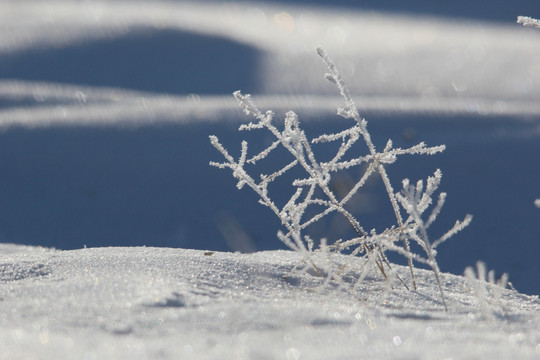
(162, 303)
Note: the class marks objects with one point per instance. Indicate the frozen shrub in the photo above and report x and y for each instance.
(487, 290)
(313, 195)
(528, 21)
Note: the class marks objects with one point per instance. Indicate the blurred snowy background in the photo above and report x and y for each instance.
(106, 108)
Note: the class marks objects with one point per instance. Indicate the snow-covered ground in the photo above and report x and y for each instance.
(105, 112)
(158, 303)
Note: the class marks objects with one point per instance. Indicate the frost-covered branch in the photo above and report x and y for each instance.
(415, 201)
(312, 190)
(528, 21)
(388, 156)
(486, 289)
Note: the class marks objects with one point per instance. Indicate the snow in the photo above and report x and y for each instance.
(141, 303)
(105, 111)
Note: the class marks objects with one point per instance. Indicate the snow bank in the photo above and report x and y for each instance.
(140, 303)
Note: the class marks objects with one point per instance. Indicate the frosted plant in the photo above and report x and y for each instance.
(528, 21)
(313, 191)
(486, 289)
(415, 201)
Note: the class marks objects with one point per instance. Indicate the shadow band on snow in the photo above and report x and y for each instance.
(19, 271)
(147, 60)
(67, 187)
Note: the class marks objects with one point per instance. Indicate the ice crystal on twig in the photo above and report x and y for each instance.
(528, 21)
(415, 200)
(313, 191)
(487, 290)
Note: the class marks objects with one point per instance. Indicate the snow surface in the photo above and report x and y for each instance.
(158, 303)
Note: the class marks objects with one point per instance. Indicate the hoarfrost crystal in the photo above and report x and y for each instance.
(313, 191)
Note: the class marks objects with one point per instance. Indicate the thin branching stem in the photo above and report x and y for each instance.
(352, 111)
(314, 191)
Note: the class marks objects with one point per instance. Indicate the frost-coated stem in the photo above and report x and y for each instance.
(431, 257)
(314, 191)
(351, 111)
(399, 219)
(245, 178)
(528, 21)
(295, 141)
(415, 201)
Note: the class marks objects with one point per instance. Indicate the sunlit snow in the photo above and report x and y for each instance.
(148, 303)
